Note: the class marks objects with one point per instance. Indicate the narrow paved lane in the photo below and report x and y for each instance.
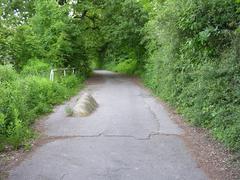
(129, 137)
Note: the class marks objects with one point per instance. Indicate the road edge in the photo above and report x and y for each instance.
(217, 161)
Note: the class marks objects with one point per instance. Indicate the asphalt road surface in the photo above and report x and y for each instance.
(129, 137)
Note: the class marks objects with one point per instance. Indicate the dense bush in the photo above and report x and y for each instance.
(193, 62)
(128, 66)
(7, 74)
(71, 81)
(49, 34)
(25, 98)
(36, 67)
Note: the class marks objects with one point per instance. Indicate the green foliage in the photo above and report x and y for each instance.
(7, 74)
(121, 29)
(16, 11)
(24, 98)
(71, 81)
(35, 37)
(36, 67)
(50, 34)
(193, 49)
(128, 66)
(24, 46)
(5, 51)
(18, 134)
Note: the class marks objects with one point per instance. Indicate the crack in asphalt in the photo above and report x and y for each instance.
(148, 137)
(63, 176)
(154, 116)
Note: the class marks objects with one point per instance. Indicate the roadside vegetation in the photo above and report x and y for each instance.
(34, 38)
(193, 62)
(186, 51)
(25, 98)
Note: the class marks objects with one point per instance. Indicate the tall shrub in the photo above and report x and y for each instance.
(194, 62)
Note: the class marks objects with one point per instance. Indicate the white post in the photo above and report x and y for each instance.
(64, 72)
(52, 75)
